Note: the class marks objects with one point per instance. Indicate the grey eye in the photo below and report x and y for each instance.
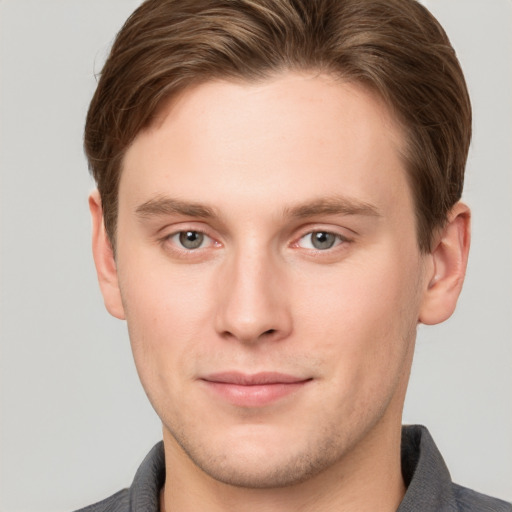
(322, 240)
(191, 239)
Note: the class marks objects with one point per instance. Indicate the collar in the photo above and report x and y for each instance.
(428, 481)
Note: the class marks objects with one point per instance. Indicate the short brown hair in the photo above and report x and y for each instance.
(395, 47)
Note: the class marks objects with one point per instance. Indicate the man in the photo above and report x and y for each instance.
(277, 210)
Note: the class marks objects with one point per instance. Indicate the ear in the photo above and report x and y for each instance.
(104, 259)
(448, 267)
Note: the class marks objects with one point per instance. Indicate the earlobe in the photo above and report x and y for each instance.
(104, 260)
(449, 260)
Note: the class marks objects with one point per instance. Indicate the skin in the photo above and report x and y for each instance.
(257, 168)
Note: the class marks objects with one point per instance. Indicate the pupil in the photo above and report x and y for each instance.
(323, 240)
(191, 239)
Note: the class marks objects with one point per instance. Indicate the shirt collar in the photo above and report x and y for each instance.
(428, 481)
(429, 485)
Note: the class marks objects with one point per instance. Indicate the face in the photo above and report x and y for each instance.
(269, 272)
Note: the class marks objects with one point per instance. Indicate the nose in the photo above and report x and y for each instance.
(252, 301)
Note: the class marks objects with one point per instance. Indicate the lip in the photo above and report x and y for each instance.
(253, 390)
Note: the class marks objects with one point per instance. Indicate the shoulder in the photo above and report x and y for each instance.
(429, 484)
(144, 492)
(472, 501)
(118, 502)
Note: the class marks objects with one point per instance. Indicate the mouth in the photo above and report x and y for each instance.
(253, 390)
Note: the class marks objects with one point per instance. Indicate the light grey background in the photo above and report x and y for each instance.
(75, 422)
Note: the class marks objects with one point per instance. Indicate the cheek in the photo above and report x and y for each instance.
(365, 330)
(166, 314)
(364, 315)
(163, 295)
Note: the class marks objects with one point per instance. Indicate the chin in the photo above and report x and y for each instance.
(262, 461)
(282, 470)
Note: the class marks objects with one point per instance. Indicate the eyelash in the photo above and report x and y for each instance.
(177, 247)
(338, 240)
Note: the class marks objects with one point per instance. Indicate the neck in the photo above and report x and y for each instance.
(368, 478)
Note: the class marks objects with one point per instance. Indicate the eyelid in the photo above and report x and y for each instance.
(167, 233)
(340, 239)
(344, 233)
(175, 238)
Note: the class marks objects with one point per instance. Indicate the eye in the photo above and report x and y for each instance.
(190, 240)
(320, 240)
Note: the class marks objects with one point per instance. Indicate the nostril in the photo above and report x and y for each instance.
(270, 331)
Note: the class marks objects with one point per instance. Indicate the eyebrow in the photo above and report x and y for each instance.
(335, 205)
(161, 206)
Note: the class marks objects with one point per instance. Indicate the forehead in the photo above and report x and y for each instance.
(292, 135)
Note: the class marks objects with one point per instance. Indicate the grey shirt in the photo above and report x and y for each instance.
(429, 485)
